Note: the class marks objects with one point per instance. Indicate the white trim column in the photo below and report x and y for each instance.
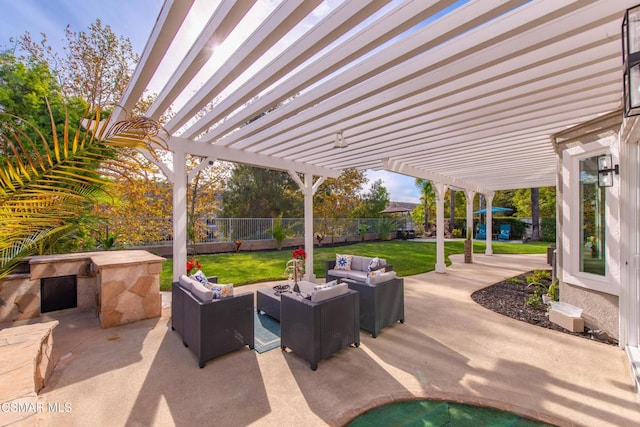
(440, 190)
(489, 238)
(308, 189)
(179, 214)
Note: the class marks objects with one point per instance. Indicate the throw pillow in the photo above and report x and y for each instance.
(221, 291)
(374, 263)
(331, 283)
(343, 262)
(200, 277)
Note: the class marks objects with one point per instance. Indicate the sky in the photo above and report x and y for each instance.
(129, 18)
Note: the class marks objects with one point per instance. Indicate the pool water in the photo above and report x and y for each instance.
(438, 413)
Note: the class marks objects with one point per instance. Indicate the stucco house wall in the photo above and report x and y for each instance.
(597, 296)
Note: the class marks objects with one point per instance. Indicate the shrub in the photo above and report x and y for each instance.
(518, 227)
(548, 229)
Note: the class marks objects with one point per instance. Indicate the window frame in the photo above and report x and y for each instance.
(571, 224)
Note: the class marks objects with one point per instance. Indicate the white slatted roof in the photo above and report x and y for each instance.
(464, 93)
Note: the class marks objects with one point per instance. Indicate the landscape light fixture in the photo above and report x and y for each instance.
(631, 61)
(340, 142)
(606, 169)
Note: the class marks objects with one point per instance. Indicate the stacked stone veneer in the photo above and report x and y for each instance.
(122, 286)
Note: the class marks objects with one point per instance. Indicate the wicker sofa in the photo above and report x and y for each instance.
(316, 330)
(358, 269)
(214, 327)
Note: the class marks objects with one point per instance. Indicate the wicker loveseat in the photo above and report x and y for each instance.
(214, 327)
(357, 270)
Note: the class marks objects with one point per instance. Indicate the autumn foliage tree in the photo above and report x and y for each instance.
(96, 65)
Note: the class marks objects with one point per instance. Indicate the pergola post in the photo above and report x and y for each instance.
(179, 214)
(440, 190)
(489, 237)
(308, 189)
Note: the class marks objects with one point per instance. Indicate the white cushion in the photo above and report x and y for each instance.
(187, 282)
(201, 292)
(357, 275)
(338, 273)
(381, 277)
(329, 292)
(359, 263)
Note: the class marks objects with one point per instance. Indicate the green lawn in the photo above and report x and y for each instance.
(407, 257)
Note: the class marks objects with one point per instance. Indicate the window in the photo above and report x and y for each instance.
(592, 219)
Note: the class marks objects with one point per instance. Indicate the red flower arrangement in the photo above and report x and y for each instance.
(193, 264)
(299, 254)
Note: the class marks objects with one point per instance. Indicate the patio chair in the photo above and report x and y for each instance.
(316, 330)
(505, 232)
(482, 232)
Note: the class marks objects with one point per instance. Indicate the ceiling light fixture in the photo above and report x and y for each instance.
(340, 141)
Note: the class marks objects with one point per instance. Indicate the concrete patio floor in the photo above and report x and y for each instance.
(449, 348)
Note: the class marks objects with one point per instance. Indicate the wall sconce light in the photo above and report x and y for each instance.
(631, 61)
(340, 141)
(606, 170)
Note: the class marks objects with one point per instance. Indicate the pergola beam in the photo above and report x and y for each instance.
(240, 156)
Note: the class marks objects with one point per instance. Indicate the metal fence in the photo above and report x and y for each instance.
(158, 231)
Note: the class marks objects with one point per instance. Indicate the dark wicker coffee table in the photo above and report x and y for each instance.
(269, 303)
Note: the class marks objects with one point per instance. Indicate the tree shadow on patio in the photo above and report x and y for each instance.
(228, 391)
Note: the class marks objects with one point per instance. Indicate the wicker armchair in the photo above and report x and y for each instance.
(212, 328)
(381, 304)
(316, 330)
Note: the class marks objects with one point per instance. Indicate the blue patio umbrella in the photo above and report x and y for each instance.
(494, 209)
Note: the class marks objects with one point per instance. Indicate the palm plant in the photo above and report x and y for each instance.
(278, 231)
(47, 185)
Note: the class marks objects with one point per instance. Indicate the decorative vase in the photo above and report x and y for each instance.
(298, 271)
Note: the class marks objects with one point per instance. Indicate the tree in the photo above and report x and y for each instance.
(25, 89)
(253, 192)
(546, 202)
(96, 67)
(504, 199)
(139, 201)
(43, 197)
(340, 197)
(373, 202)
(428, 198)
(535, 214)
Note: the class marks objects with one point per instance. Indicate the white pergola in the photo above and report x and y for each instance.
(465, 95)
